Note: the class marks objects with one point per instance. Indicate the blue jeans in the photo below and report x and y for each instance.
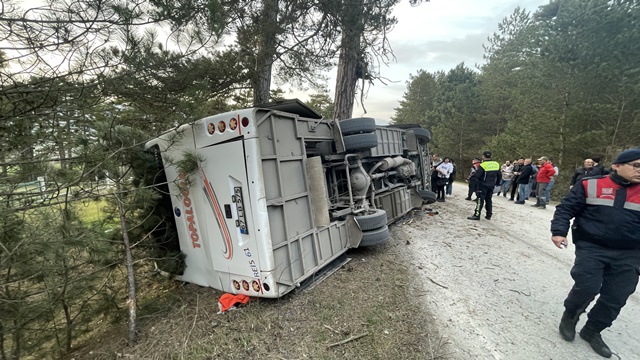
(527, 191)
(449, 187)
(522, 191)
(547, 194)
(506, 184)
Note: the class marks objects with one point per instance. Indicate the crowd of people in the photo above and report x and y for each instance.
(519, 181)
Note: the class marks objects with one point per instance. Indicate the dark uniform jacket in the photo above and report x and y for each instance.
(606, 211)
(488, 174)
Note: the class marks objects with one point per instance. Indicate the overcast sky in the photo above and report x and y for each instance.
(433, 36)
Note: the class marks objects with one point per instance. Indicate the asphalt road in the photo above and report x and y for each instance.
(496, 287)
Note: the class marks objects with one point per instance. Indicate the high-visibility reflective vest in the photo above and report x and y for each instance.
(490, 166)
(602, 191)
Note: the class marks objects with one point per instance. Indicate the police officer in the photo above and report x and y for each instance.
(605, 231)
(488, 176)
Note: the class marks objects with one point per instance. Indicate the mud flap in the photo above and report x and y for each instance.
(354, 232)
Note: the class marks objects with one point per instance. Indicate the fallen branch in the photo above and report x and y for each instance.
(520, 292)
(330, 328)
(355, 337)
(433, 281)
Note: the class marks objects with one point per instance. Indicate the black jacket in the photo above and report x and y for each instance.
(581, 173)
(612, 221)
(516, 168)
(488, 178)
(525, 174)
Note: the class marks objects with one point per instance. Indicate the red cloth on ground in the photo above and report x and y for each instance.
(227, 301)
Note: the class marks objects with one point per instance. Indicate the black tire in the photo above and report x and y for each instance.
(357, 142)
(357, 126)
(422, 134)
(373, 219)
(375, 237)
(427, 196)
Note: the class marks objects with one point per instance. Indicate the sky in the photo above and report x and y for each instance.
(433, 36)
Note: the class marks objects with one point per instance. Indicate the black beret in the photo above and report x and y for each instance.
(627, 156)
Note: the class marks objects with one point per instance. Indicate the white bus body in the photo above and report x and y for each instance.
(278, 195)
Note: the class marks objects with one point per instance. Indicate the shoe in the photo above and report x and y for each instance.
(474, 217)
(510, 199)
(467, 198)
(488, 217)
(568, 326)
(542, 207)
(519, 202)
(535, 205)
(440, 200)
(595, 340)
(526, 198)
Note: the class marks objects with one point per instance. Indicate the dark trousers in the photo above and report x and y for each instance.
(484, 195)
(609, 272)
(440, 191)
(472, 189)
(514, 187)
(541, 193)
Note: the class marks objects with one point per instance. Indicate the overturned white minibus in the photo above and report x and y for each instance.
(279, 192)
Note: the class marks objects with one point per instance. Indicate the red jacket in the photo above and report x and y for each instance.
(545, 173)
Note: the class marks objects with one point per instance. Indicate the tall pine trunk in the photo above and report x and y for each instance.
(131, 279)
(261, 82)
(350, 55)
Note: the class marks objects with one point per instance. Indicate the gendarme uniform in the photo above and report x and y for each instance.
(606, 234)
(488, 176)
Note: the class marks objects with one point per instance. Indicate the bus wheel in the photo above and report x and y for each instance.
(357, 125)
(375, 237)
(358, 142)
(373, 219)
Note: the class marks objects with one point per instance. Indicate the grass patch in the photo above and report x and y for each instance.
(373, 296)
(91, 211)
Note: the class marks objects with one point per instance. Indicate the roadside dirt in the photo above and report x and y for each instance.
(496, 287)
(444, 287)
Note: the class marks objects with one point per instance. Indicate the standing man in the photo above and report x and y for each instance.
(599, 167)
(587, 170)
(473, 181)
(517, 168)
(542, 179)
(507, 175)
(523, 180)
(488, 176)
(435, 162)
(452, 178)
(444, 171)
(547, 193)
(606, 212)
